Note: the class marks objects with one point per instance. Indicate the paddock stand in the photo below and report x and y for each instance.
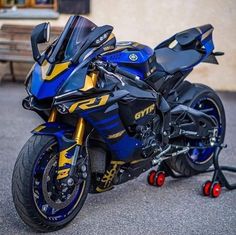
(210, 188)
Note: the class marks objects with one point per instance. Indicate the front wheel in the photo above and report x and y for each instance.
(39, 198)
(198, 160)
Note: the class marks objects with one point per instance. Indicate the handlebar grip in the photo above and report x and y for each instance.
(126, 73)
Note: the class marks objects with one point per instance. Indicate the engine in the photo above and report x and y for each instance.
(150, 136)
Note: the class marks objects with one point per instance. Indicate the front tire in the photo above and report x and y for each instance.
(29, 195)
(185, 163)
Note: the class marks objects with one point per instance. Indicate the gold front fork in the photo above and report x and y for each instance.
(53, 115)
(78, 137)
(80, 126)
(79, 131)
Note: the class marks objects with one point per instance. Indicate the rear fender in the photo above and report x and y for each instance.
(186, 91)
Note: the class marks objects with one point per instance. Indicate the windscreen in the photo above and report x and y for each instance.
(74, 35)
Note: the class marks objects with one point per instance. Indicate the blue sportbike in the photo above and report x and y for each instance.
(112, 111)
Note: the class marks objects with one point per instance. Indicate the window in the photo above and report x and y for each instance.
(29, 3)
(63, 6)
(10, 3)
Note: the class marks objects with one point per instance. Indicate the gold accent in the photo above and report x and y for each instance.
(118, 48)
(100, 190)
(135, 44)
(62, 173)
(112, 35)
(79, 131)
(108, 176)
(108, 48)
(81, 194)
(94, 76)
(39, 128)
(57, 69)
(122, 47)
(89, 103)
(53, 115)
(116, 135)
(90, 81)
(106, 182)
(63, 160)
(118, 162)
(144, 112)
(137, 161)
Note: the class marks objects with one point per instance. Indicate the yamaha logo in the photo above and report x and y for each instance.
(133, 57)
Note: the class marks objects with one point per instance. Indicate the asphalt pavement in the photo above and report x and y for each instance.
(132, 208)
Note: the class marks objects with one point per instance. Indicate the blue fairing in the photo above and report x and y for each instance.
(124, 147)
(130, 57)
(55, 129)
(209, 45)
(42, 89)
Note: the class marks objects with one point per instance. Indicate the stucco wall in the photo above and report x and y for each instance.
(152, 21)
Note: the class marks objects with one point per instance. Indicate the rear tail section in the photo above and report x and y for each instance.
(201, 39)
(197, 40)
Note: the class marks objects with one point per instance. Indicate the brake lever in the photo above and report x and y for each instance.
(100, 66)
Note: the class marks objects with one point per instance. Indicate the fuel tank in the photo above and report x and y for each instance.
(133, 57)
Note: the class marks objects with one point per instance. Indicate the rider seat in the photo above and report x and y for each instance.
(172, 61)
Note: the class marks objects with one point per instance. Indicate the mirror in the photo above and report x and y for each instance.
(40, 34)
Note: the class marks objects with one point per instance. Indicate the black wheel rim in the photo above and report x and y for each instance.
(210, 107)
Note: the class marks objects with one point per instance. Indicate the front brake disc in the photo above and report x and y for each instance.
(48, 196)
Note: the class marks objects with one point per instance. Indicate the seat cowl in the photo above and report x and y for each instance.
(188, 36)
(205, 28)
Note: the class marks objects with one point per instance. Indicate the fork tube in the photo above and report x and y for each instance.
(80, 126)
(79, 131)
(94, 76)
(53, 115)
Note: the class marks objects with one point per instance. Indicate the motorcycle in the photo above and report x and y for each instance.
(112, 111)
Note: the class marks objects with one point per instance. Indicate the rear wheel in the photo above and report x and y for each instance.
(196, 160)
(39, 198)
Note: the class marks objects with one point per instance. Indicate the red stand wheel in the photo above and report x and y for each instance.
(160, 178)
(151, 177)
(216, 189)
(206, 188)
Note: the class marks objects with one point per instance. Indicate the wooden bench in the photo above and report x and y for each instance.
(15, 44)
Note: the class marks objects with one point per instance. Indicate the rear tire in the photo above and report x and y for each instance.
(23, 187)
(182, 163)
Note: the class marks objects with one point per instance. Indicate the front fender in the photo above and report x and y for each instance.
(58, 130)
(66, 146)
